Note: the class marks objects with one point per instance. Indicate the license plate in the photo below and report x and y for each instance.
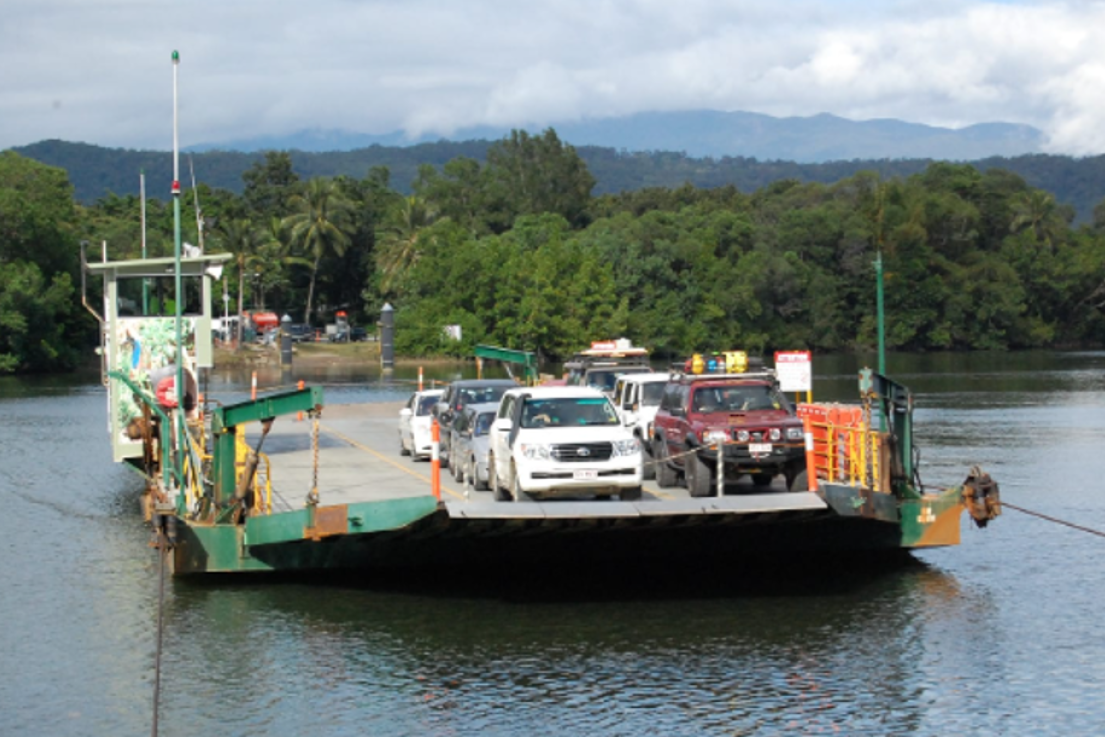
(759, 448)
(585, 475)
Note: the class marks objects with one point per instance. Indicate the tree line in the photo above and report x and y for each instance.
(519, 251)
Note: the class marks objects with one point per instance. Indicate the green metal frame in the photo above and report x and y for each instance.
(527, 359)
(225, 419)
(896, 405)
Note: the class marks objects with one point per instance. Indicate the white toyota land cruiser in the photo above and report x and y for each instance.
(562, 441)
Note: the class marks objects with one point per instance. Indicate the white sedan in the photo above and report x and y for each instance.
(414, 423)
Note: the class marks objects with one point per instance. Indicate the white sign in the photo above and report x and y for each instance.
(453, 332)
(795, 371)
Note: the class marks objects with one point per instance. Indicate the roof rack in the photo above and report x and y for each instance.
(764, 374)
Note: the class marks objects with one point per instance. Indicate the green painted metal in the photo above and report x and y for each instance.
(913, 511)
(224, 419)
(270, 405)
(230, 548)
(362, 517)
(526, 359)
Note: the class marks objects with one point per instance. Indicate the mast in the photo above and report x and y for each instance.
(180, 388)
(145, 281)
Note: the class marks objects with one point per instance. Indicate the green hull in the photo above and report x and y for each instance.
(419, 533)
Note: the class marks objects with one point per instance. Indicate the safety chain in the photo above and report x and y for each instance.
(312, 497)
(692, 451)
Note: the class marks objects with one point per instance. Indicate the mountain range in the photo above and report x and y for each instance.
(705, 149)
(710, 133)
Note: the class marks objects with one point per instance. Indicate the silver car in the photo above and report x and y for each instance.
(470, 441)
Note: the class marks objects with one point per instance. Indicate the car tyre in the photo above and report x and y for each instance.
(501, 494)
(403, 449)
(516, 486)
(801, 482)
(632, 494)
(648, 468)
(762, 479)
(665, 474)
(457, 469)
(473, 475)
(698, 476)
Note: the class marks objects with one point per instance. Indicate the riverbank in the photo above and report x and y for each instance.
(311, 355)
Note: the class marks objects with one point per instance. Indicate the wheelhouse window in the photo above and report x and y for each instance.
(159, 299)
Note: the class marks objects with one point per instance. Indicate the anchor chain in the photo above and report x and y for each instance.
(312, 496)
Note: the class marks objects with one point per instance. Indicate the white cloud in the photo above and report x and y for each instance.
(99, 71)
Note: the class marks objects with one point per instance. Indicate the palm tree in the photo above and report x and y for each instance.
(273, 254)
(320, 223)
(397, 246)
(239, 237)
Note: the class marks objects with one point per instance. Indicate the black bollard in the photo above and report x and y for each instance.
(286, 343)
(387, 336)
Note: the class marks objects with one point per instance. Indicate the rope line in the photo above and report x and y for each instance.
(163, 544)
(1056, 520)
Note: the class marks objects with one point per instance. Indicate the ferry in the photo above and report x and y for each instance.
(282, 483)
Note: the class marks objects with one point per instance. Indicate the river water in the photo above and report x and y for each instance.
(997, 636)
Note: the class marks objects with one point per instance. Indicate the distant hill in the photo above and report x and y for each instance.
(95, 171)
(702, 133)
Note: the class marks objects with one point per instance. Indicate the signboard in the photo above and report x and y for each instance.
(794, 370)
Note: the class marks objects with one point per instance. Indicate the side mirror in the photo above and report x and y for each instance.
(405, 412)
(504, 425)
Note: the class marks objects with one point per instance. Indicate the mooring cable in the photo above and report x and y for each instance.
(1056, 520)
(163, 545)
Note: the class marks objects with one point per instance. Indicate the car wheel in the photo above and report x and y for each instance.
(665, 474)
(631, 494)
(762, 479)
(474, 475)
(801, 482)
(648, 468)
(698, 476)
(500, 493)
(403, 449)
(457, 469)
(516, 486)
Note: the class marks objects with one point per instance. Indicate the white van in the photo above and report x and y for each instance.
(637, 397)
(562, 441)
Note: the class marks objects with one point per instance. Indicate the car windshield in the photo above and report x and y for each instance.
(426, 405)
(737, 399)
(481, 395)
(602, 380)
(568, 411)
(483, 423)
(652, 393)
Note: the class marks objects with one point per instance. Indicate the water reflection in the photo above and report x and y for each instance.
(855, 653)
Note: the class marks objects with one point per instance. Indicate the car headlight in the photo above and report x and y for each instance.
(742, 436)
(795, 433)
(714, 436)
(535, 451)
(625, 447)
(776, 434)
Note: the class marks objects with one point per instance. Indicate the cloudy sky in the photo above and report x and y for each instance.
(99, 71)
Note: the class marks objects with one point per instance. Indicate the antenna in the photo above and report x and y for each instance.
(196, 200)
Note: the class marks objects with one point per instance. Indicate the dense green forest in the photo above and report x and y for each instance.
(518, 249)
(96, 172)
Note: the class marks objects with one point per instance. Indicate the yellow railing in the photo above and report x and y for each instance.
(851, 455)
